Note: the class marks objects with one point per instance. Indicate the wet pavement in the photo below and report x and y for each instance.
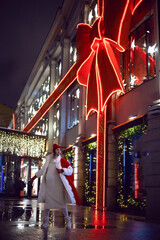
(22, 219)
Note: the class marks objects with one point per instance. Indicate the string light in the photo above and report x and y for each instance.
(89, 189)
(129, 201)
(21, 144)
(69, 156)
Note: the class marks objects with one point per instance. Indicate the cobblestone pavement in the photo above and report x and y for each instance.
(21, 220)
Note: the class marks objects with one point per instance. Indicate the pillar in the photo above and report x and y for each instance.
(63, 99)
(79, 164)
(51, 111)
(111, 168)
(150, 152)
(111, 157)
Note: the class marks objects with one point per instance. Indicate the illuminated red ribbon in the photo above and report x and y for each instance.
(108, 33)
(97, 46)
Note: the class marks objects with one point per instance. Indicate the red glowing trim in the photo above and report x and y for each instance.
(98, 7)
(116, 70)
(114, 65)
(118, 90)
(84, 69)
(84, 24)
(99, 13)
(97, 165)
(89, 112)
(115, 44)
(55, 95)
(122, 20)
(99, 87)
(13, 116)
(104, 162)
(101, 157)
(98, 83)
(102, 9)
(99, 29)
(136, 168)
(94, 43)
(136, 7)
(42, 127)
(22, 162)
(79, 69)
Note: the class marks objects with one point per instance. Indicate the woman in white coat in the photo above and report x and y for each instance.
(57, 187)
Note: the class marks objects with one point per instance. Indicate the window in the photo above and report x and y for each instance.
(42, 127)
(138, 62)
(40, 98)
(131, 192)
(73, 106)
(58, 73)
(73, 54)
(132, 170)
(93, 14)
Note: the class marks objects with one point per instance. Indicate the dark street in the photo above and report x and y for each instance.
(21, 219)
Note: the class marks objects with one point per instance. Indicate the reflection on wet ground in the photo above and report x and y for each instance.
(28, 213)
(22, 219)
(29, 210)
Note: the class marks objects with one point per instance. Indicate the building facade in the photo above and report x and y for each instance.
(132, 123)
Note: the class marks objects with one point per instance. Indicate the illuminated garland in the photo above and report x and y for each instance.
(130, 202)
(89, 196)
(21, 144)
(69, 156)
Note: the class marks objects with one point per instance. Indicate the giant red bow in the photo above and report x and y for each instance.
(97, 46)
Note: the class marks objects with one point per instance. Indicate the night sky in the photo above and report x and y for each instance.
(24, 26)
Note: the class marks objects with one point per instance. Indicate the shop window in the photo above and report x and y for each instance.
(34, 169)
(24, 173)
(7, 173)
(90, 173)
(138, 62)
(130, 173)
(56, 117)
(28, 168)
(73, 107)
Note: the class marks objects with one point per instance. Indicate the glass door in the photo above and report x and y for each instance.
(34, 169)
(28, 169)
(24, 173)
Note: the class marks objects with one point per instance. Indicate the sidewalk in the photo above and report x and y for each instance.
(21, 220)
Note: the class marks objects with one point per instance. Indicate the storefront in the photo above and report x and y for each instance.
(131, 193)
(90, 155)
(20, 157)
